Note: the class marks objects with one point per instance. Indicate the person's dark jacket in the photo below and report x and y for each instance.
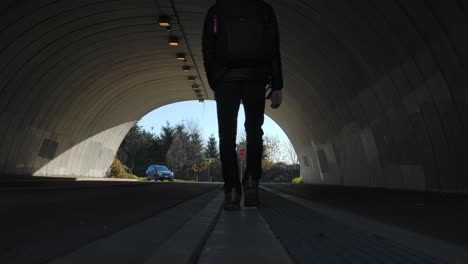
(271, 73)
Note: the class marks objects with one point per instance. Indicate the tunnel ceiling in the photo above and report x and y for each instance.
(375, 91)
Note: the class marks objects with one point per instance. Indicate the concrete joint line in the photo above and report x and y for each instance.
(430, 246)
(186, 244)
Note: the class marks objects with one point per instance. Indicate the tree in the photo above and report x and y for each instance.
(136, 150)
(211, 149)
(281, 172)
(242, 141)
(272, 149)
(156, 151)
(133, 144)
(211, 155)
(179, 146)
(195, 146)
(177, 155)
(192, 126)
(165, 138)
(198, 168)
(179, 129)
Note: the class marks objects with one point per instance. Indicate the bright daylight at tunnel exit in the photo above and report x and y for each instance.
(233, 131)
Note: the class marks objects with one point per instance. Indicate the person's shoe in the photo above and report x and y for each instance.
(250, 191)
(232, 199)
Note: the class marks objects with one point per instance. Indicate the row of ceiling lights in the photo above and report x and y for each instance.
(165, 21)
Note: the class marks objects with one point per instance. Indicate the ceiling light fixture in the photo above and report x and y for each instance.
(173, 41)
(187, 69)
(195, 86)
(164, 21)
(181, 57)
(192, 78)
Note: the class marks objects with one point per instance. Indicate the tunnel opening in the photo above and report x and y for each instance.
(184, 137)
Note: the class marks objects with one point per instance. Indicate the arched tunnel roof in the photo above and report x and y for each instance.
(375, 92)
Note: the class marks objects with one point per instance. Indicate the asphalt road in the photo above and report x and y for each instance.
(41, 222)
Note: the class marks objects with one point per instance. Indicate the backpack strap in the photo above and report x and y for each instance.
(215, 22)
(215, 25)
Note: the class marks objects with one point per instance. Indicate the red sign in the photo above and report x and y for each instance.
(242, 153)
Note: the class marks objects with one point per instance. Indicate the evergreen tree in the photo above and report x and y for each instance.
(165, 140)
(136, 150)
(180, 129)
(196, 146)
(132, 145)
(156, 151)
(211, 150)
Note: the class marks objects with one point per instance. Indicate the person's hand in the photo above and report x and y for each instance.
(276, 98)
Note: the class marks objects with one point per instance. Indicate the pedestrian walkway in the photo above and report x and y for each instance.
(243, 237)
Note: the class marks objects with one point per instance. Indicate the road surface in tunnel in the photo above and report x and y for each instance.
(37, 225)
(89, 222)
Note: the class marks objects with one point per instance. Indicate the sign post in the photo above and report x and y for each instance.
(242, 155)
(210, 161)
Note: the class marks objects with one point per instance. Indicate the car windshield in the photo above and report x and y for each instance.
(162, 168)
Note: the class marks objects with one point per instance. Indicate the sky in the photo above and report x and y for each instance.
(205, 115)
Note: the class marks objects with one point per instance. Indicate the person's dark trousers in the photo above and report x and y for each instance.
(228, 95)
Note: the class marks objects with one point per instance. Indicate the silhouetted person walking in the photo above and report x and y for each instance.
(241, 54)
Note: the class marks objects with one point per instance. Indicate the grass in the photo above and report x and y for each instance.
(178, 180)
(185, 181)
(298, 180)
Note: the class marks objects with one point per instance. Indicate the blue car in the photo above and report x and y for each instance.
(159, 172)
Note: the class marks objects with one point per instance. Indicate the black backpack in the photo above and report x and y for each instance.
(244, 33)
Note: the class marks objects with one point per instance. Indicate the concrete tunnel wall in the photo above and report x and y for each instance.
(375, 91)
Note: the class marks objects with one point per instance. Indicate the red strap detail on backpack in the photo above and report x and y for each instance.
(215, 25)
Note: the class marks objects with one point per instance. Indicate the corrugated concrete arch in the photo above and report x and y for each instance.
(375, 92)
